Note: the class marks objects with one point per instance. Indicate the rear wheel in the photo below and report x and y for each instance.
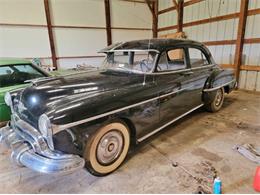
(107, 149)
(217, 101)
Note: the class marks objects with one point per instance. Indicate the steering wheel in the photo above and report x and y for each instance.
(144, 64)
(20, 77)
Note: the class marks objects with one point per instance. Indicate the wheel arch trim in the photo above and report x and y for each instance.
(220, 86)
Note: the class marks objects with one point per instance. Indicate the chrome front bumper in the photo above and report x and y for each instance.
(30, 149)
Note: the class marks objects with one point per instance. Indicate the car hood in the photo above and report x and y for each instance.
(56, 94)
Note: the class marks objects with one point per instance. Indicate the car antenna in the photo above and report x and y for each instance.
(149, 42)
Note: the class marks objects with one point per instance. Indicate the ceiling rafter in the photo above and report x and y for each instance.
(153, 7)
(148, 2)
(176, 4)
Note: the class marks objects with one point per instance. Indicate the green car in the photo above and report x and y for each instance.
(13, 75)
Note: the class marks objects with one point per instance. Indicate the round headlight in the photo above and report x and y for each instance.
(44, 125)
(8, 99)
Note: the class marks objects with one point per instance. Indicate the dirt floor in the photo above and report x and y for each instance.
(201, 143)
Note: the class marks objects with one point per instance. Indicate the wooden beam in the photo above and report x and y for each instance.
(252, 41)
(100, 28)
(240, 36)
(242, 67)
(253, 12)
(80, 27)
(208, 20)
(155, 19)
(203, 21)
(150, 7)
(154, 11)
(50, 33)
(77, 57)
(168, 28)
(23, 25)
(250, 67)
(108, 22)
(31, 58)
(175, 4)
(167, 10)
(188, 3)
(221, 42)
(125, 28)
(133, 1)
(213, 19)
(232, 42)
(180, 15)
(68, 26)
(227, 66)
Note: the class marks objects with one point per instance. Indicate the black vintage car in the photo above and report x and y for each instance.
(142, 87)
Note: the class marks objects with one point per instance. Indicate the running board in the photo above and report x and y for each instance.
(167, 124)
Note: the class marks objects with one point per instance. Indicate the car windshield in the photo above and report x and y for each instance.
(17, 74)
(130, 61)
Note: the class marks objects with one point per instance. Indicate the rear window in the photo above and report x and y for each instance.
(197, 58)
(18, 74)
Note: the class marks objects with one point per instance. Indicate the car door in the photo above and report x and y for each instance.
(171, 72)
(200, 70)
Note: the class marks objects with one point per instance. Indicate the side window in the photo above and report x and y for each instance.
(172, 60)
(27, 69)
(197, 58)
(5, 70)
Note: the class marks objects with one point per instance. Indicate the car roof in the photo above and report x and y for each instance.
(12, 61)
(158, 45)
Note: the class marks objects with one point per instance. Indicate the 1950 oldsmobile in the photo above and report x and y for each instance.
(90, 119)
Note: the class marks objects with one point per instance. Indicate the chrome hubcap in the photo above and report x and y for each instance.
(110, 147)
(219, 97)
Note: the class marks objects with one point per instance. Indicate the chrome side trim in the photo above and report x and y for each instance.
(58, 128)
(180, 71)
(167, 124)
(202, 67)
(215, 88)
(128, 50)
(135, 50)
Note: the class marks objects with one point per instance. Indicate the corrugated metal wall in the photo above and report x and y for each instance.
(33, 41)
(222, 30)
(250, 80)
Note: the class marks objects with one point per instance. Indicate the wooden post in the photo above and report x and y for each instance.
(50, 33)
(154, 10)
(240, 36)
(108, 22)
(155, 19)
(180, 15)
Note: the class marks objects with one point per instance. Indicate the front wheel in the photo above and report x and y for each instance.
(107, 148)
(217, 101)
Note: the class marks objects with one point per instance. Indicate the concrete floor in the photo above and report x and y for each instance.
(202, 143)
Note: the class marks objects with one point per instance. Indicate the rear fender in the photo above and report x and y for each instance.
(218, 79)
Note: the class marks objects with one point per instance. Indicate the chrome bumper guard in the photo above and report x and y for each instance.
(34, 153)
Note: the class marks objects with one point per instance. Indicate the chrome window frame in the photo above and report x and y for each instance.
(138, 50)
